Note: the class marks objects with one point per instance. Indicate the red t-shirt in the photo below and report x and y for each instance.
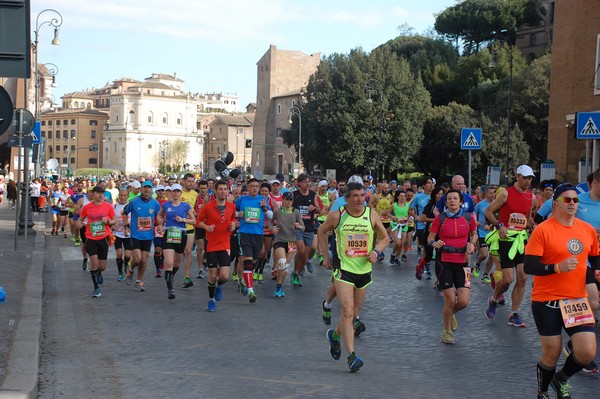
(95, 229)
(516, 202)
(219, 239)
(454, 233)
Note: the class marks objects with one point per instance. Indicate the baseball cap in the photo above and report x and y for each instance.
(160, 187)
(561, 188)
(323, 183)
(288, 195)
(136, 184)
(356, 179)
(176, 187)
(525, 170)
(97, 189)
(275, 181)
(369, 177)
(393, 181)
(147, 184)
(279, 176)
(167, 188)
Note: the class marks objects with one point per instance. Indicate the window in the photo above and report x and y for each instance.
(76, 104)
(93, 161)
(65, 122)
(65, 135)
(72, 147)
(150, 117)
(93, 134)
(43, 123)
(43, 133)
(73, 134)
(149, 146)
(72, 160)
(115, 147)
(116, 118)
(278, 108)
(65, 148)
(65, 161)
(49, 123)
(58, 123)
(278, 133)
(94, 122)
(50, 134)
(179, 119)
(165, 118)
(50, 149)
(73, 121)
(57, 149)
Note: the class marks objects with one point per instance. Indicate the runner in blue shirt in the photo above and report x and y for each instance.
(484, 227)
(417, 205)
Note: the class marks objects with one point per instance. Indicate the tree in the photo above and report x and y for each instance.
(342, 130)
(178, 153)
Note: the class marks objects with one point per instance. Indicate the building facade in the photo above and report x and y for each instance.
(575, 86)
(281, 76)
(229, 133)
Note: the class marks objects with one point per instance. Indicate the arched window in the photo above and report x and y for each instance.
(165, 119)
(115, 147)
(76, 104)
(179, 118)
(150, 117)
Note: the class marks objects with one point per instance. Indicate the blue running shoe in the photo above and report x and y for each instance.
(218, 293)
(515, 320)
(243, 289)
(335, 349)
(354, 362)
(490, 312)
(212, 306)
(96, 293)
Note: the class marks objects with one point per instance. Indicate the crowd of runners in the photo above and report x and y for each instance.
(498, 235)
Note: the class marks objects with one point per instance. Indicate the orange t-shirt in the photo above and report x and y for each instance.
(219, 239)
(555, 243)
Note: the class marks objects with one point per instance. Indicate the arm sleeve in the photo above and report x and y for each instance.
(533, 265)
(594, 262)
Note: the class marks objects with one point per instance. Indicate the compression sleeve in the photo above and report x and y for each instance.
(534, 266)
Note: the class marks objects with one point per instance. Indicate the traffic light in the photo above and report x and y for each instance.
(248, 143)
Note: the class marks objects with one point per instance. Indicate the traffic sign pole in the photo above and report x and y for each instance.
(470, 172)
(470, 139)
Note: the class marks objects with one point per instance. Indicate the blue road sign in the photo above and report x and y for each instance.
(588, 125)
(36, 133)
(470, 138)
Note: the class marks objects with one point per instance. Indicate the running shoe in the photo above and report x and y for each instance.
(404, 258)
(325, 314)
(77, 243)
(243, 289)
(281, 293)
(321, 260)
(392, 259)
(255, 276)
(278, 292)
(212, 306)
(418, 272)
(515, 320)
(335, 348)
(187, 282)
(490, 312)
(448, 337)
(397, 261)
(485, 279)
(120, 277)
(354, 362)
(591, 368)
(294, 278)
(476, 272)
(234, 276)
(303, 271)
(501, 300)
(561, 389)
(200, 274)
(129, 278)
(170, 294)
(84, 266)
(543, 395)
(454, 323)
(298, 281)
(73, 238)
(65, 235)
(96, 293)
(567, 349)
(252, 297)
(158, 274)
(139, 286)
(419, 250)
(218, 293)
(427, 271)
(359, 327)
(100, 278)
(310, 267)
(260, 278)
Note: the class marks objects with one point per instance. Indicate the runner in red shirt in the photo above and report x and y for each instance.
(218, 219)
(100, 216)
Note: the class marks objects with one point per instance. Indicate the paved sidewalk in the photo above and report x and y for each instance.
(21, 314)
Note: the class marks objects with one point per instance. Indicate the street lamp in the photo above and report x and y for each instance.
(295, 110)
(506, 37)
(373, 85)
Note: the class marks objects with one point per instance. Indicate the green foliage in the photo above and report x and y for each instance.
(101, 172)
(178, 153)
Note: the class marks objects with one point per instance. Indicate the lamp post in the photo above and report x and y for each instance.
(506, 37)
(373, 85)
(295, 110)
(55, 22)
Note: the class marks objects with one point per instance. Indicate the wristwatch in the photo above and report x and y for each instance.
(499, 224)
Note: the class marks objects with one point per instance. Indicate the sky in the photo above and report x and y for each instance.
(212, 45)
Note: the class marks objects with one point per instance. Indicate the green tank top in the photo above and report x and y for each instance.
(326, 202)
(354, 241)
(401, 212)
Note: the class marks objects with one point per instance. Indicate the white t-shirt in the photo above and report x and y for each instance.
(35, 189)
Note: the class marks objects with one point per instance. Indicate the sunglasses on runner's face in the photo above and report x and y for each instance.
(568, 200)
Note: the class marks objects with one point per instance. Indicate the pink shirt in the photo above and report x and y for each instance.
(454, 233)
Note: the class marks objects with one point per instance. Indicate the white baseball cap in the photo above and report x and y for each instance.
(275, 181)
(160, 187)
(356, 179)
(176, 187)
(525, 170)
(136, 184)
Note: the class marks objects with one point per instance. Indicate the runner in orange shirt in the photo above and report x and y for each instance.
(557, 254)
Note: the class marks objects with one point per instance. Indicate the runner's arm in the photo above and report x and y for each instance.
(380, 231)
(332, 220)
(534, 266)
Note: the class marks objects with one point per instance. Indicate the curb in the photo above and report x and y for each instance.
(21, 380)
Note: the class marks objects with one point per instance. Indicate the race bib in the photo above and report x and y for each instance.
(467, 277)
(576, 312)
(292, 247)
(174, 235)
(304, 211)
(144, 223)
(357, 245)
(517, 221)
(97, 229)
(252, 215)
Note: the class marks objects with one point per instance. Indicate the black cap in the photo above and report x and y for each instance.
(288, 195)
(279, 176)
(97, 189)
(561, 188)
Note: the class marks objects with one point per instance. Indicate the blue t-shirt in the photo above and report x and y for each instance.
(418, 204)
(588, 210)
(546, 209)
(467, 204)
(142, 217)
(75, 198)
(171, 211)
(283, 190)
(338, 203)
(480, 213)
(254, 216)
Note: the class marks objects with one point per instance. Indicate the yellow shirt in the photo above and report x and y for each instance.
(190, 198)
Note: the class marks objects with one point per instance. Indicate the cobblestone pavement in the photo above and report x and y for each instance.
(128, 344)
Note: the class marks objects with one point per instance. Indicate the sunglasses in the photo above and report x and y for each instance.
(568, 200)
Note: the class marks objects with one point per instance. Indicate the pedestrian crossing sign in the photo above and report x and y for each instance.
(470, 138)
(588, 125)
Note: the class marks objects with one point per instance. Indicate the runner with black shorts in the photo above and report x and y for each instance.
(122, 234)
